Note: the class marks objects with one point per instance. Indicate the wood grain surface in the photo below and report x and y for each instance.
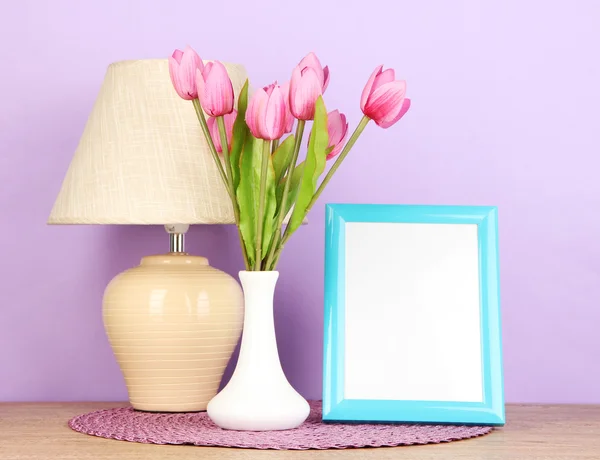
(32, 431)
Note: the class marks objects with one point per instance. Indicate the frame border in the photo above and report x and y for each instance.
(335, 407)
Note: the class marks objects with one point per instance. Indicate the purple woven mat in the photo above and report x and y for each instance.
(196, 428)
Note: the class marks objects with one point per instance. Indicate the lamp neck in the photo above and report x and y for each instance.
(177, 237)
(176, 243)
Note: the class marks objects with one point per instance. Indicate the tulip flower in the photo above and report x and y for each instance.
(305, 88)
(182, 68)
(289, 117)
(337, 128)
(265, 115)
(383, 99)
(215, 90)
(312, 61)
(213, 128)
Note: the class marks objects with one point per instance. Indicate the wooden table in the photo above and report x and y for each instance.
(39, 431)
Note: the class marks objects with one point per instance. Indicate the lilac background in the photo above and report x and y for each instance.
(505, 111)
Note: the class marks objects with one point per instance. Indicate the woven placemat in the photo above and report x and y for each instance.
(126, 424)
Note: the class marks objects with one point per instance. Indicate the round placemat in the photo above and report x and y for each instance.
(127, 424)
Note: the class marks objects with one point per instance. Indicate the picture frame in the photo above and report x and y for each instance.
(412, 327)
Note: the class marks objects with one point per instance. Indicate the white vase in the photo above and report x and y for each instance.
(258, 397)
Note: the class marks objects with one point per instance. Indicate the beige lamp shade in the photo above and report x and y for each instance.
(142, 158)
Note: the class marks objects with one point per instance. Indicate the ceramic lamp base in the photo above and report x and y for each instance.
(173, 323)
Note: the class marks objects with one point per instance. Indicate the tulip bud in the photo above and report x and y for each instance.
(383, 98)
(215, 90)
(337, 130)
(265, 115)
(337, 127)
(305, 88)
(312, 61)
(183, 66)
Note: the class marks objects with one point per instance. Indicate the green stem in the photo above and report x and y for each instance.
(211, 145)
(281, 174)
(243, 246)
(277, 254)
(274, 244)
(274, 146)
(225, 149)
(286, 187)
(234, 202)
(355, 135)
(261, 203)
(215, 155)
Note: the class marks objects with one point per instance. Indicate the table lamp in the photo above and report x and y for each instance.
(173, 321)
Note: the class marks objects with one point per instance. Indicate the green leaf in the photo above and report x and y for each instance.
(247, 193)
(313, 166)
(269, 223)
(293, 190)
(282, 157)
(240, 132)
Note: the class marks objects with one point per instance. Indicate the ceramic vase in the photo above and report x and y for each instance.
(258, 397)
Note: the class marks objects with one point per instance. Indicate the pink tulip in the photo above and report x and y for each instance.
(383, 99)
(305, 88)
(213, 127)
(269, 88)
(182, 68)
(311, 60)
(289, 118)
(265, 115)
(337, 127)
(215, 90)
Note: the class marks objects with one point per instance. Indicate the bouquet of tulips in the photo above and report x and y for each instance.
(256, 152)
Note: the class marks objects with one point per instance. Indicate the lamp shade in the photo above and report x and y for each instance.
(142, 158)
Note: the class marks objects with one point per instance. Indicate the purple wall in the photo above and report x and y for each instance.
(505, 111)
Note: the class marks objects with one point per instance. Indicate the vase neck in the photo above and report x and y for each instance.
(259, 288)
(259, 344)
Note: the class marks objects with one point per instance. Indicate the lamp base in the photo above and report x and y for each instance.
(173, 323)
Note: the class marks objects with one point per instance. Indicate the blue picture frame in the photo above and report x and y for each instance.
(335, 406)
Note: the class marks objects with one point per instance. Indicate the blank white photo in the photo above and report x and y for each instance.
(412, 312)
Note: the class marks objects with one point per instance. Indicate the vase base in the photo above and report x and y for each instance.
(253, 414)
